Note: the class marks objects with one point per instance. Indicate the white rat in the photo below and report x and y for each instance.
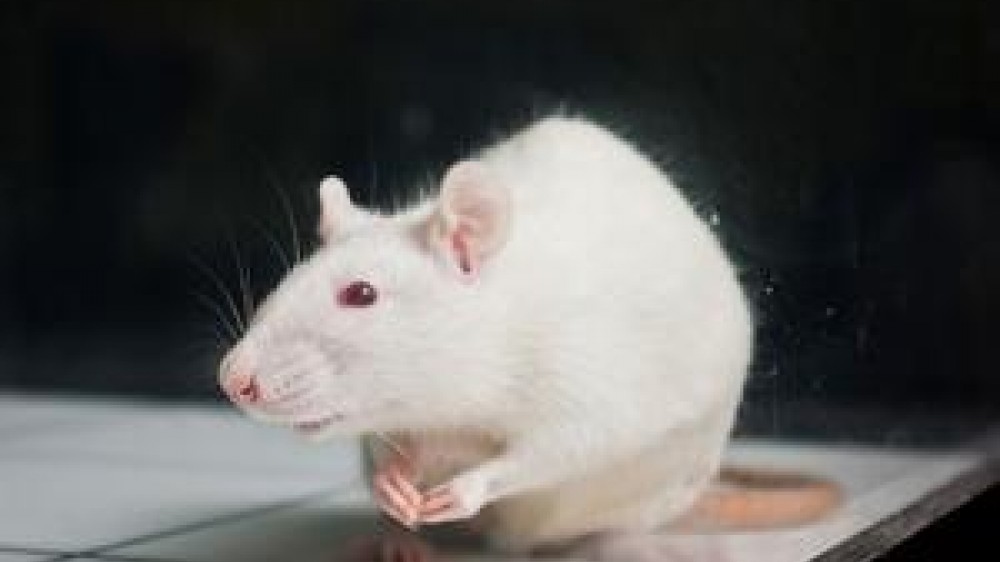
(555, 342)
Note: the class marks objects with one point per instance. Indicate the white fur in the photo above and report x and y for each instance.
(603, 343)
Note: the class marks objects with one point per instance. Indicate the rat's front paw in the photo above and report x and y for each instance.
(459, 499)
(396, 495)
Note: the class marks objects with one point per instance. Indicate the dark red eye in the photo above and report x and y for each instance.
(358, 293)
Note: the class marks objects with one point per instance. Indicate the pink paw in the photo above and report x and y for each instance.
(396, 494)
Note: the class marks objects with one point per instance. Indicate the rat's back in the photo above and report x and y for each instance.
(599, 227)
(566, 164)
(576, 187)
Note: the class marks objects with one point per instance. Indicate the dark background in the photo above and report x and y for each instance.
(847, 152)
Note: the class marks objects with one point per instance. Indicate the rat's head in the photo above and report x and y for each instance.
(379, 328)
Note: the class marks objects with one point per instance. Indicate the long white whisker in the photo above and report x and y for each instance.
(272, 242)
(247, 298)
(217, 311)
(221, 287)
(296, 242)
(286, 205)
(217, 335)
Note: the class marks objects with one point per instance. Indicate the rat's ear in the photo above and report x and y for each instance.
(336, 211)
(473, 216)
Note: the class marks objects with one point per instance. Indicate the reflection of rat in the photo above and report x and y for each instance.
(555, 345)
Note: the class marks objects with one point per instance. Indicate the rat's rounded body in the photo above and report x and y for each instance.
(625, 322)
(563, 343)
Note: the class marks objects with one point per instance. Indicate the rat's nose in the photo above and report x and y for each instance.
(243, 389)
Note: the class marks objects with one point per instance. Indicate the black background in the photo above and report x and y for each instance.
(846, 150)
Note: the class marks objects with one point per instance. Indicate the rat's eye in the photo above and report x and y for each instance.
(357, 294)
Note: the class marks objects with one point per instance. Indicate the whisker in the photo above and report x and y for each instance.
(210, 333)
(272, 242)
(288, 209)
(217, 311)
(218, 336)
(241, 275)
(221, 287)
(285, 201)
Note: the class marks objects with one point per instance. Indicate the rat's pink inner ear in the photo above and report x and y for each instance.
(335, 207)
(473, 218)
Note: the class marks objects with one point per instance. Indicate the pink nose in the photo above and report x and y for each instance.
(243, 389)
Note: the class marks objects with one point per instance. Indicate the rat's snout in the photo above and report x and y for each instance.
(276, 387)
(240, 384)
(242, 388)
